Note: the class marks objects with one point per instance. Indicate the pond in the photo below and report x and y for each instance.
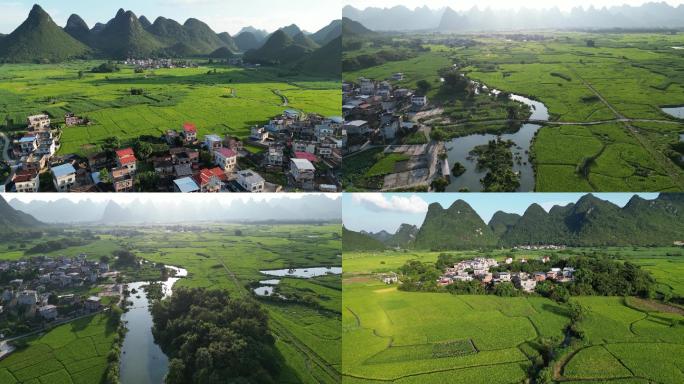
(265, 290)
(142, 360)
(677, 112)
(458, 150)
(306, 273)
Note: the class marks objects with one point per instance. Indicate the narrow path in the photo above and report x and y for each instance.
(668, 166)
(284, 98)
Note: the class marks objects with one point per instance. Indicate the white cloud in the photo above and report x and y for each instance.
(378, 202)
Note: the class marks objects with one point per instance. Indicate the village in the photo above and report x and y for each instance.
(490, 272)
(379, 115)
(41, 290)
(292, 152)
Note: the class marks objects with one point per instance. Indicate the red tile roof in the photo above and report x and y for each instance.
(226, 152)
(205, 175)
(23, 177)
(189, 127)
(306, 155)
(126, 156)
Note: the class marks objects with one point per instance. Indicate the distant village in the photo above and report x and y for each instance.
(54, 289)
(488, 271)
(291, 152)
(379, 115)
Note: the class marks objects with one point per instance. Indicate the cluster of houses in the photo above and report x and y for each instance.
(158, 63)
(32, 297)
(303, 151)
(478, 269)
(376, 111)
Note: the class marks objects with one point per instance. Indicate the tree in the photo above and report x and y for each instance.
(147, 181)
(238, 232)
(124, 257)
(104, 259)
(591, 43)
(143, 150)
(231, 344)
(439, 184)
(80, 75)
(105, 177)
(423, 86)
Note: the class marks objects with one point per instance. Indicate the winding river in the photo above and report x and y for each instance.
(142, 360)
(459, 148)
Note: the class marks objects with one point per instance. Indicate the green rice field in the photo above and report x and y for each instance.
(71, 353)
(229, 101)
(395, 336)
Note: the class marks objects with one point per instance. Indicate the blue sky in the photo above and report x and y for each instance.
(222, 15)
(374, 211)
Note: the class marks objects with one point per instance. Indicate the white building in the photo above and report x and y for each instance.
(27, 182)
(213, 142)
(48, 312)
(303, 171)
(38, 122)
(419, 101)
(64, 177)
(225, 158)
(27, 297)
(251, 181)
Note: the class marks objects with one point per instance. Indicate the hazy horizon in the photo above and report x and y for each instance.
(221, 16)
(464, 5)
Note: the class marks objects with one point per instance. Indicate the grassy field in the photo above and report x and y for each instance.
(229, 101)
(413, 337)
(72, 353)
(308, 331)
(626, 76)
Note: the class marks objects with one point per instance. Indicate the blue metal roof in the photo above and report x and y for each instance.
(186, 185)
(63, 170)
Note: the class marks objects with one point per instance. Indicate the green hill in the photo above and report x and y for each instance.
(458, 227)
(403, 237)
(351, 28)
(355, 241)
(124, 36)
(204, 39)
(228, 41)
(502, 222)
(328, 33)
(278, 49)
(39, 39)
(326, 61)
(12, 220)
(246, 41)
(291, 30)
(145, 22)
(304, 41)
(77, 28)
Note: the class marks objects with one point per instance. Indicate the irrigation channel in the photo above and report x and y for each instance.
(458, 150)
(142, 360)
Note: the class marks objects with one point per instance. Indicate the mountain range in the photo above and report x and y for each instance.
(40, 39)
(646, 16)
(588, 222)
(311, 208)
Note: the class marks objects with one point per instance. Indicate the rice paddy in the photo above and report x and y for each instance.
(391, 335)
(228, 101)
